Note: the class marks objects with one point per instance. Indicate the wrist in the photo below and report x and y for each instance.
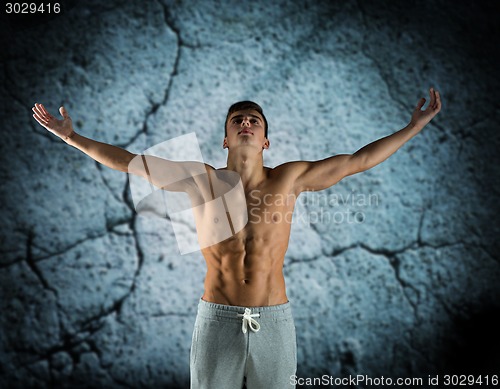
(69, 137)
(415, 127)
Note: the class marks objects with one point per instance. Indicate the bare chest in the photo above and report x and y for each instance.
(226, 211)
(270, 206)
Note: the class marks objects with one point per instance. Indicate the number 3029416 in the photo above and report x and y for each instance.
(32, 8)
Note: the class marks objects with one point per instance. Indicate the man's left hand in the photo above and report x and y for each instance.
(421, 118)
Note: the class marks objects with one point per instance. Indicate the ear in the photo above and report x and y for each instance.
(224, 144)
(266, 144)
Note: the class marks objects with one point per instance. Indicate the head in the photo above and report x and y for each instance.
(245, 105)
(249, 110)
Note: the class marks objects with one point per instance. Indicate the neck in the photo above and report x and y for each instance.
(250, 166)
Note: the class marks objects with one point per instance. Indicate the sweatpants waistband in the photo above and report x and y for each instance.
(233, 313)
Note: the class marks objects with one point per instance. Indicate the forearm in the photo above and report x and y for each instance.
(111, 156)
(378, 151)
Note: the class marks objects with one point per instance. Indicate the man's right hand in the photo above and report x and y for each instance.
(62, 128)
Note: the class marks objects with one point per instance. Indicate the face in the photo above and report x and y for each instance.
(246, 127)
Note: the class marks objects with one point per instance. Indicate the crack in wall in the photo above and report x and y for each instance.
(386, 79)
(32, 123)
(68, 342)
(488, 254)
(36, 259)
(32, 265)
(95, 351)
(171, 25)
(395, 263)
(116, 306)
(419, 240)
(156, 105)
(98, 353)
(177, 56)
(119, 304)
(154, 108)
(374, 61)
(99, 167)
(393, 260)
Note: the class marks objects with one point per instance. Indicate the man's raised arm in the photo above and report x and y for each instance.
(322, 174)
(111, 156)
(165, 172)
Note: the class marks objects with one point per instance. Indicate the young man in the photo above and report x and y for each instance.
(244, 330)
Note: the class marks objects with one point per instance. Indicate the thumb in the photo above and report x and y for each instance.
(64, 113)
(420, 103)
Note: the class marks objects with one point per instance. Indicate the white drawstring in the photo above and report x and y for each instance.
(248, 320)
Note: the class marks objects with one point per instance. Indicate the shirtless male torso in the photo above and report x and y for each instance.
(244, 284)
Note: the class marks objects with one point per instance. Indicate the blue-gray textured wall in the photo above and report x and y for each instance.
(398, 272)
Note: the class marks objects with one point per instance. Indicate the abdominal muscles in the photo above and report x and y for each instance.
(247, 268)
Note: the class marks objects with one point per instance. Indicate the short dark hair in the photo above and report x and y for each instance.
(242, 105)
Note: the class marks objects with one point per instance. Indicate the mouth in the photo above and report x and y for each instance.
(244, 132)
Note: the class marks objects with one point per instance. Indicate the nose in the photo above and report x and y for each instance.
(245, 122)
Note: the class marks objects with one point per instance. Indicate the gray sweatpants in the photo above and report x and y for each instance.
(226, 348)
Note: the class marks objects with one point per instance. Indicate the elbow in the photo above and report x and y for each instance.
(359, 163)
(131, 164)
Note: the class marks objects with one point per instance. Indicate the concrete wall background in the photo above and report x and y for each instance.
(93, 294)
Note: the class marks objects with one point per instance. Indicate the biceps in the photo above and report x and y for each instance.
(164, 174)
(325, 173)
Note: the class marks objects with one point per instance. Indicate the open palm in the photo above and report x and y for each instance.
(62, 128)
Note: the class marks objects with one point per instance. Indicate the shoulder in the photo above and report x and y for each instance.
(288, 173)
(292, 169)
(316, 175)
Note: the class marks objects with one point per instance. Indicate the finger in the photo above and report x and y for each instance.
(43, 112)
(63, 112)
(38, 108)
(420, 104)
(433, 98)
(40, 121)
(438, 101)
(46, 113)
(38, 111)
